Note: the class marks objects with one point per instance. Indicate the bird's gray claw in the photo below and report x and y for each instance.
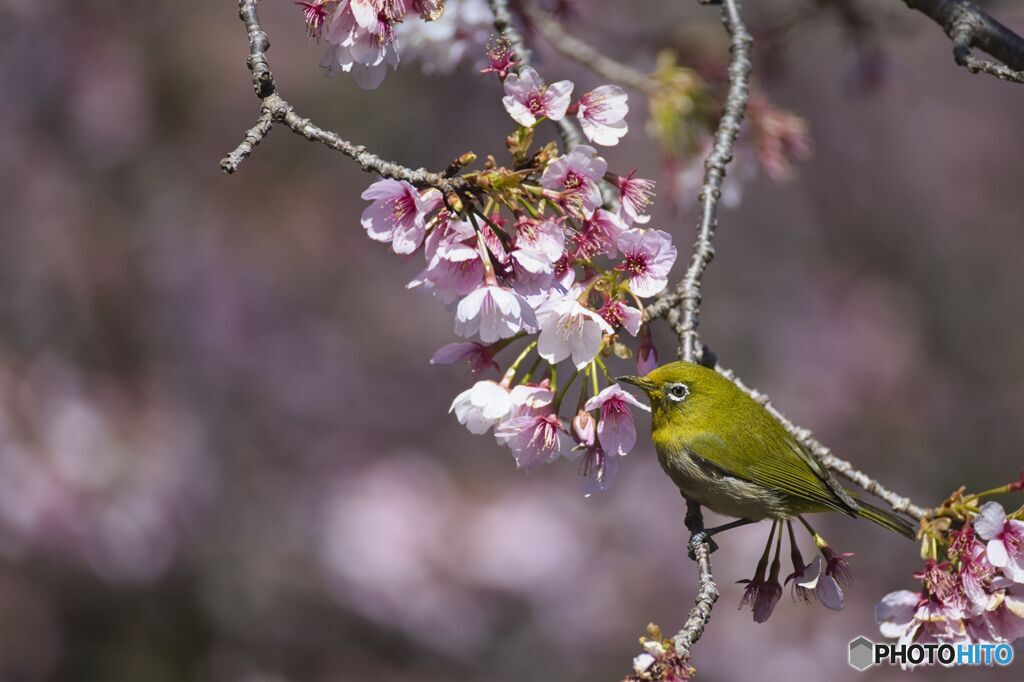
(699, 538)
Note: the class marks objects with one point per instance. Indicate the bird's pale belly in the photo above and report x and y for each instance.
(722, 493)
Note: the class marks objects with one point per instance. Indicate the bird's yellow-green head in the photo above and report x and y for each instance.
(684, 392)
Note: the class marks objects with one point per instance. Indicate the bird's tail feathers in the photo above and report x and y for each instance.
(886, 519)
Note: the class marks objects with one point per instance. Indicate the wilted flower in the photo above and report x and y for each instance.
(649, 256)
(602, 114)
(528, 99)
(599, 469)
(500, 59)
(763, 594)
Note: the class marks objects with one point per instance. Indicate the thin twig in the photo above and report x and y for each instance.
(969, 26)
(275, 110)
(687, 320)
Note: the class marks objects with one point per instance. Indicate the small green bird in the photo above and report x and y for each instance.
(727, 453)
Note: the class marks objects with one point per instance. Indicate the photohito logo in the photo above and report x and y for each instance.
(864, 653)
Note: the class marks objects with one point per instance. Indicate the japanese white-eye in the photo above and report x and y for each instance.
(727, 453)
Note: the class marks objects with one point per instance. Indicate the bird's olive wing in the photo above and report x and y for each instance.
(774, 462)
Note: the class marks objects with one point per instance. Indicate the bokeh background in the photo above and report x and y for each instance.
(225, 457)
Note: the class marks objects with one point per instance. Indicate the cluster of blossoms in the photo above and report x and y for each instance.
(361, 33)
(530, 254)
(972, 582)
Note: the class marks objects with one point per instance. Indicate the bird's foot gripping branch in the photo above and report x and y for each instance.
(547, 260)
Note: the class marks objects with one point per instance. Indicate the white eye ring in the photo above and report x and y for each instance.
(677, 392)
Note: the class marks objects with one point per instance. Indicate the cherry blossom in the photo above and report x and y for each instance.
(636, 196)
(602, 114)
(481, 406)
(598, 469)
(599, 235)
(398, 213)
(574, 177)
(567, 328)
(476, 354)
(534, 440)
(494, 312)
(616, 429)
(527, 99)
(1005, 539)
(618, 314)
(648, 258)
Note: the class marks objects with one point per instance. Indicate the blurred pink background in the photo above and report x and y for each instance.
(224, 455)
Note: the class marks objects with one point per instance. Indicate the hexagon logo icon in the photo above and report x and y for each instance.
(862, 653)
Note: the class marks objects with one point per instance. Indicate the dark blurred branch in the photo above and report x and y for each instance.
(275, 110)
(585, 54)
(969, 26)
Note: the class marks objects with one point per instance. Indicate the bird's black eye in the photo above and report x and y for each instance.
(677, 392)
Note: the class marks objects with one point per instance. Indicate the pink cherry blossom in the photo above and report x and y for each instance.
(362, 38)
(567, 329)
(528, 99)
(574, 177)
(762, 594)
(494, 312)
(476, 354)
(648, 258)
(500, 58)
(583, 428)
(618, 314)
(534, 440)
(636, 196)
(602, 114)
(646, 354)
(315, 14)
(481, 406)
(599, 235)
(1005, 548)
(615, 429)
(398, 213)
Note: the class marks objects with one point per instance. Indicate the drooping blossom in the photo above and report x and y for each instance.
(398, 213)
(825, 587)
(602, 114)
(362, 41)
(584, 428)
(616, 429)
(636, 196)
(763, 593)
(646, 354)
(477, 355)
(315, 13)
(598, 469)
(538, 246)
(494, 312)
(648, 258)
(1005, 538)
(527, 99)
(481, 406)
(567, 328)
(574, 177)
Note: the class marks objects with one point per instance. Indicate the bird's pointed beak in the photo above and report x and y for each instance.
(637, 381)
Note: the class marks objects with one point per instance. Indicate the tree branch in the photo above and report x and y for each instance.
(969, 26)
(275, 110)
(707, 591)
(688, 317)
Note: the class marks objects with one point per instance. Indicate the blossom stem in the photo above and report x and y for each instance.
(514, 367)
(533, 368)
(565, 389)
(593, 376)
